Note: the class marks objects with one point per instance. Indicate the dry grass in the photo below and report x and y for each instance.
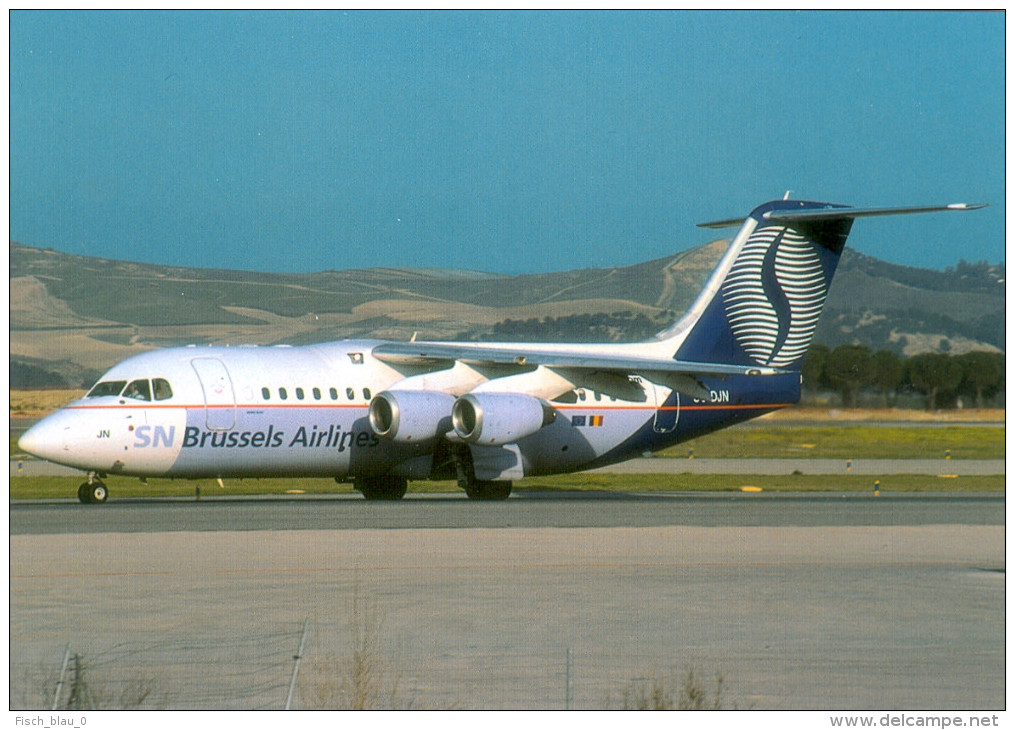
(884, 415)
(40, 402)
(364, 678)
(689, 692)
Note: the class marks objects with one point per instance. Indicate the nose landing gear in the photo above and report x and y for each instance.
(93, 491)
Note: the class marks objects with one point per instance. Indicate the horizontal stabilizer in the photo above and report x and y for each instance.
(840, 213)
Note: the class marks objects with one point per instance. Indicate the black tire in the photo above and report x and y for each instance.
(97, 493)
(488, 491)
(84, 493)
(382, 488)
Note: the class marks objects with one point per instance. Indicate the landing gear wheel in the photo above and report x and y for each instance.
(489, 491)
(386, 488)
(98, 493)
(93, 493)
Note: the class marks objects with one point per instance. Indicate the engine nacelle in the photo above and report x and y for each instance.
(494, 419)
(410, 415)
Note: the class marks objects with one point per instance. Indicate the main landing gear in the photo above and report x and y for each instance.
(384, 487)
(489, 491)
(390, 489)
(93, 491)
(465, 472)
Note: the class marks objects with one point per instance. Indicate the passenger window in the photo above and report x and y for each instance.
(265, 393)
(581, 395)
(282, 394)
(162, 389)
(299, 393)
(350, 393)
(333, 392)
(317, 393)
(366, 393)
(110, 387)
(138, 390)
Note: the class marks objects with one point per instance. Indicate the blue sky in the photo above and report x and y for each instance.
(510, 142)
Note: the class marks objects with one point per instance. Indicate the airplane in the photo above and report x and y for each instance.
(381, 413)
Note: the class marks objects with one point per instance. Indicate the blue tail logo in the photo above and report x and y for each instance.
(760, 307)
(774, 294)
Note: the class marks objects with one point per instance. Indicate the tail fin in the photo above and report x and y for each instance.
(761, 305)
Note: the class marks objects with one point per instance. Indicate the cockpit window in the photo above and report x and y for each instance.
(162, 389)
(108, 387)
(138, 390)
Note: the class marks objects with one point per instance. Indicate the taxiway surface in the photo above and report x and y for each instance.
(524, 509)
(803, 601)
(664, 465)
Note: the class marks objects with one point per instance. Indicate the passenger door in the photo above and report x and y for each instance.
(219, 398)
(667, 404)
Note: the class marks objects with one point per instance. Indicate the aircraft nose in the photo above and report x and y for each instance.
(42, 440)
(29, 441)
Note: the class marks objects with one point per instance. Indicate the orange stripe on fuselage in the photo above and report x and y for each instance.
(260, 406)
(572, 407)
(716, 407)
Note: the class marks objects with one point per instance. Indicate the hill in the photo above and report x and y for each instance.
(73, 316)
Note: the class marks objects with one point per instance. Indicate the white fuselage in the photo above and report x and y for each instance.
(264, 411)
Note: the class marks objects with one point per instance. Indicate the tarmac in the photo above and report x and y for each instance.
(812, 607)
(666, 465)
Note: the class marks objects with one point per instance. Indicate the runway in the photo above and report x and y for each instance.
(524, 509)
(810, 601)
(961, 467)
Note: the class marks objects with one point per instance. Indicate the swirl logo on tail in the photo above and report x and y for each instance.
(774, 294)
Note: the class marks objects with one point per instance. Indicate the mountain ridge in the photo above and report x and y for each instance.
(73, 316)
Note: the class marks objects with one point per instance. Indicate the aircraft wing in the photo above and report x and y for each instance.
(423, 353)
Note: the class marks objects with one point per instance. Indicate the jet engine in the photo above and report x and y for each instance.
(494, 419)
(410, 415)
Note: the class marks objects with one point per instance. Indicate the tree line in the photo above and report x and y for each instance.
(625, 326)
(944, 380)
(941, 378)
